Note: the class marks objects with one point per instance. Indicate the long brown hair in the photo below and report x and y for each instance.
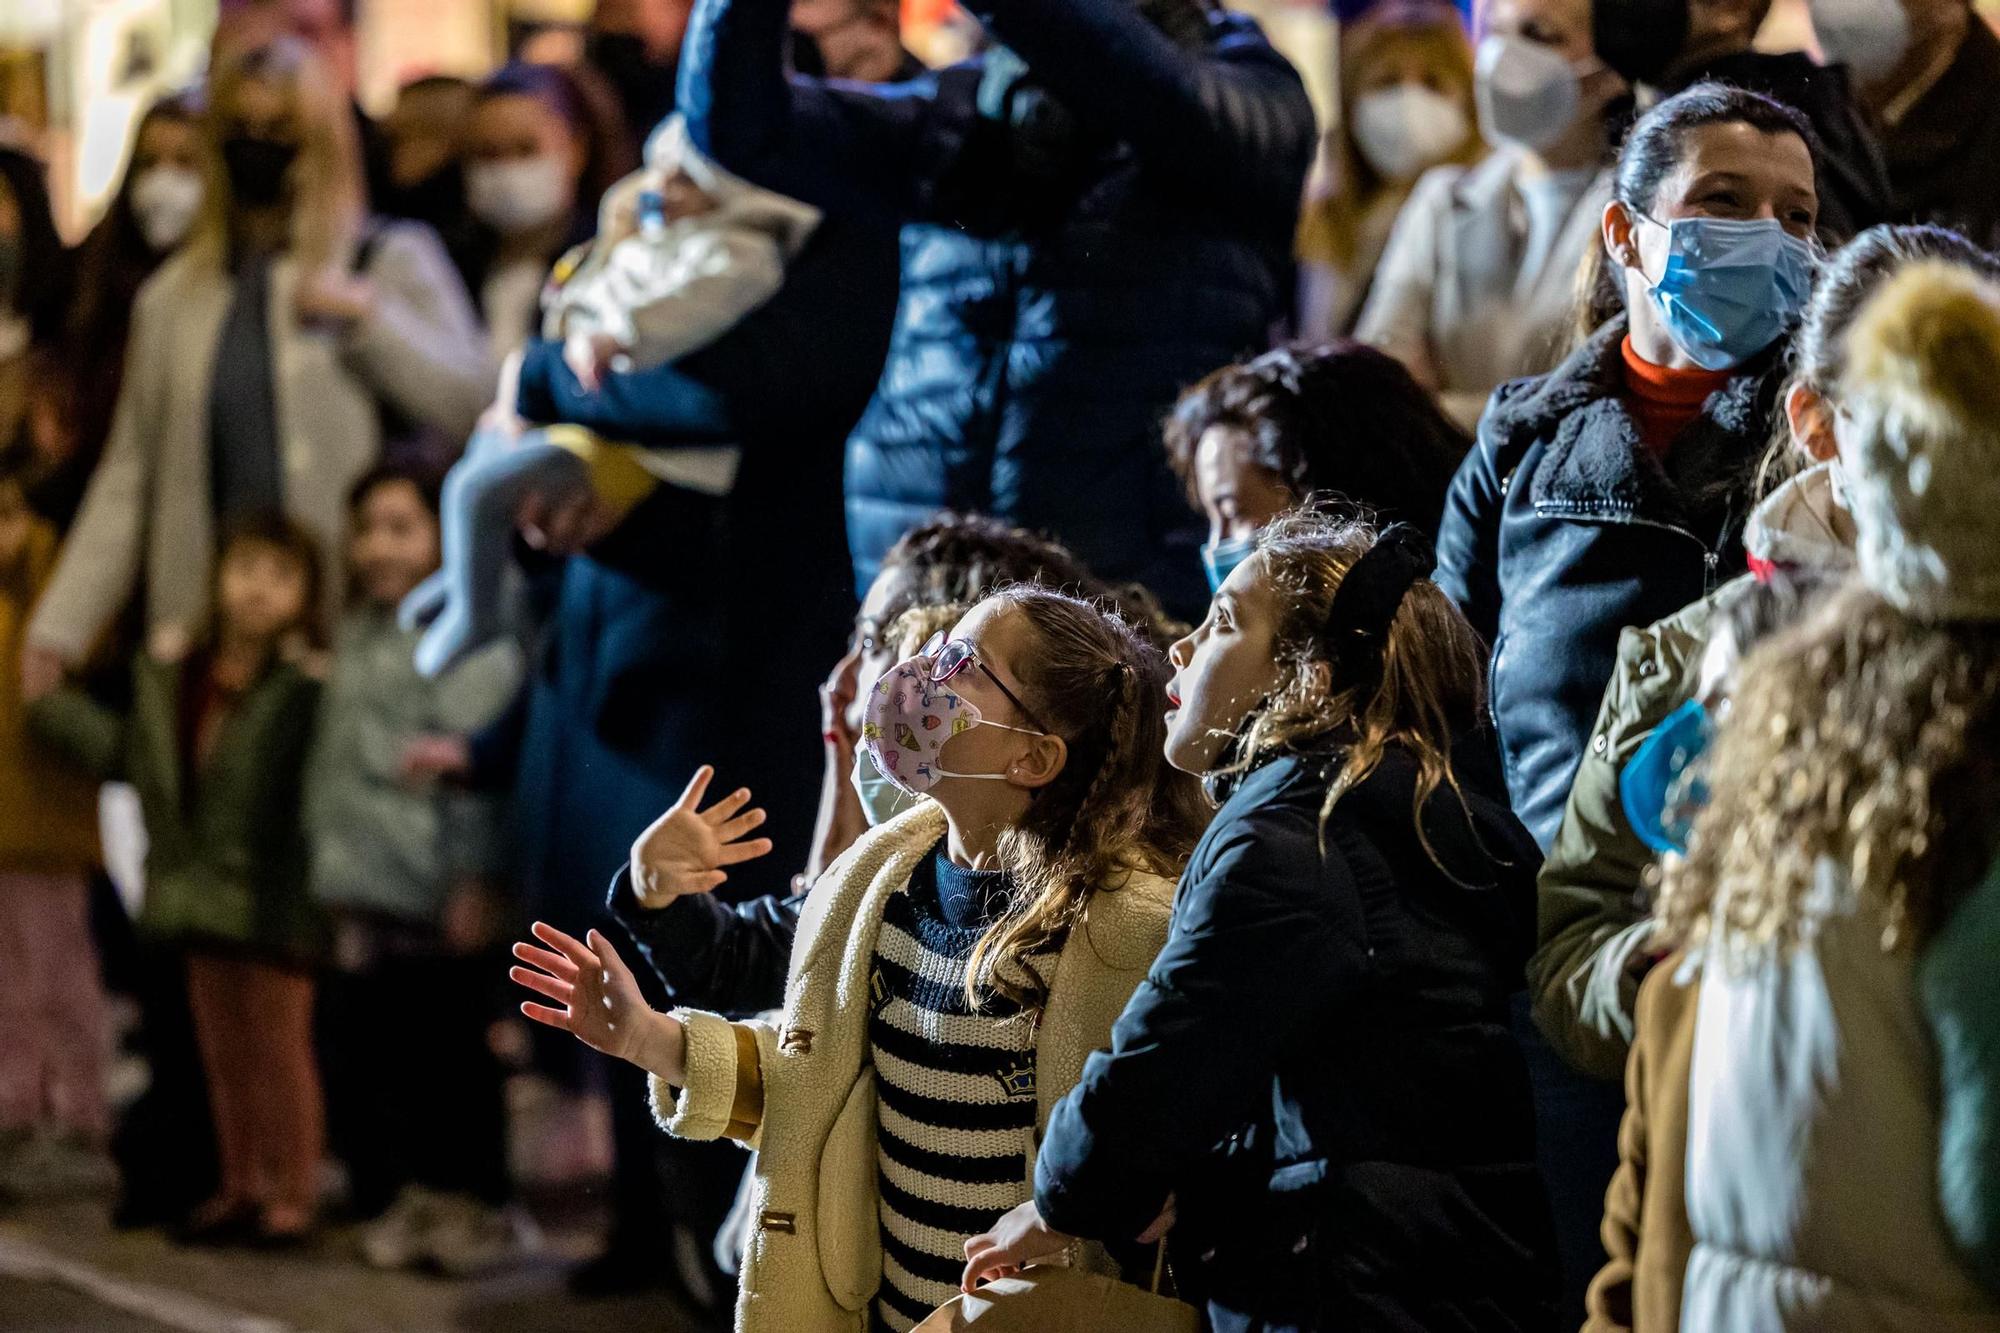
(1433, 671)
(1117, 806)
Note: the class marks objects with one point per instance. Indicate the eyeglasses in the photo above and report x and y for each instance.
(948, 657)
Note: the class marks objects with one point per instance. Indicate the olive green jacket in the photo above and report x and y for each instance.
(1595, 888)
(226, 855)
(1593, 895)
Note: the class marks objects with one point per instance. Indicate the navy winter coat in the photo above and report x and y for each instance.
(696, 632)
(1039, 340)
(1562, 528)
(1319, 1067)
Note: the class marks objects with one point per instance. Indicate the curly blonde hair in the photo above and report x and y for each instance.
(1864, 740)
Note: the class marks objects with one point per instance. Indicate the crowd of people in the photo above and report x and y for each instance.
(1407, 739)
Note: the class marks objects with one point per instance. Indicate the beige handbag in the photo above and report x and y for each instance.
(1051, 1298)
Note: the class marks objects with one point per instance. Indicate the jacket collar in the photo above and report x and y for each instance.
(1596, 463)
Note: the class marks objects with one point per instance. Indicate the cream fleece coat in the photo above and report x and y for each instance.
(814, 1260)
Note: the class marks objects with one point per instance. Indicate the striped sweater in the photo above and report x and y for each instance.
(956, 1089)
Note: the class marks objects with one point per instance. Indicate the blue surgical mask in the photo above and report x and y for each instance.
(881, 799)
(1660, 786)
(1731, 287)
(1218, 558)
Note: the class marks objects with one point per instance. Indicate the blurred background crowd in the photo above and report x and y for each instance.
(267, 265)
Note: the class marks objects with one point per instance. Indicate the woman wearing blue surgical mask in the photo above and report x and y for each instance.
(1613, 491)
(1477, 284)
(1254, 439)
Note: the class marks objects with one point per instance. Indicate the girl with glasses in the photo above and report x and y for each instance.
(951, 971)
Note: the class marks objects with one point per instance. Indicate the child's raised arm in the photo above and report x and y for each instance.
(597, 1001)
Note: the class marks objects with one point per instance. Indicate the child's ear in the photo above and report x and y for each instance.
(1041, 765)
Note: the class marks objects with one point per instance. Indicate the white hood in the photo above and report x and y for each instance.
(738, 202)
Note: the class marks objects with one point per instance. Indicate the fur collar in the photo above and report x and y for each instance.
(1596, 464)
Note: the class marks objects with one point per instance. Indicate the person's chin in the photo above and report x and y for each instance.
(1181, 751)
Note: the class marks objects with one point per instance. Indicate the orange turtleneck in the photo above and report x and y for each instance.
(1663, 400)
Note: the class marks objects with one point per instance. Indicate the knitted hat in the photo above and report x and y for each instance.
(1921, 462)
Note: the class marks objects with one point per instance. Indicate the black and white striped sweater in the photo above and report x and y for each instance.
(956, 1089)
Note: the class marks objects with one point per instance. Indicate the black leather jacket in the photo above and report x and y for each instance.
(1562, 528)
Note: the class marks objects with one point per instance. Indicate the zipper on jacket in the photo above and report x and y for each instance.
(1711, 562)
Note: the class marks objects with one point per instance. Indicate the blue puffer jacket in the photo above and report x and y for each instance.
(1562, 528)
(1042, 331)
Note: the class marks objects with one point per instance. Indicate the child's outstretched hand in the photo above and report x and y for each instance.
(598, 1001)
(685, 849)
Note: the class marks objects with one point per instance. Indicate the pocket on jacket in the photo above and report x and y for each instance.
(850, 1239)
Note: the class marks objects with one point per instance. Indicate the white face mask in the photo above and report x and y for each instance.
(517, 196)
(1405, 130)
(1870, 37)
(1528, 95)
(165, 200)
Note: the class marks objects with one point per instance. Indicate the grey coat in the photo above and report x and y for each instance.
(146, 521)
(378, 843)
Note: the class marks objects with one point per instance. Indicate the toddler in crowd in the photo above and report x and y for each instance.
(408, 872)
(215, 743)
(684, 250)
(52, 1115)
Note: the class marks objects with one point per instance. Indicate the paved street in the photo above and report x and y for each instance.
(64, 1270)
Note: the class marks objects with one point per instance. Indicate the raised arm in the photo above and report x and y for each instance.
(1232, 118)
(838, 146)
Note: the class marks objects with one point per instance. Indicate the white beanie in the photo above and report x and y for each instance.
(1921, 462)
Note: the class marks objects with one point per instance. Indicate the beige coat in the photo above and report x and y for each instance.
(1812, 1144)
(801, 1090)
(146, 519)
(1458, 299)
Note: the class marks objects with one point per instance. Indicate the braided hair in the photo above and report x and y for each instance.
(1117, 805)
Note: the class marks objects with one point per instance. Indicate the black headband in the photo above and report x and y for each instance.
(1365, 603)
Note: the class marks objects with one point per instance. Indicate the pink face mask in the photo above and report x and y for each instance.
(906, 721)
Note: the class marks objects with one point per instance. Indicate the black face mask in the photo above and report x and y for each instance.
(1640, 39)
(645, 88)
(258, 168)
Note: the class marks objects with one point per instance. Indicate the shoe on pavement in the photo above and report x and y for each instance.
(398, 1237)
(53, 1164)
(468, 1238)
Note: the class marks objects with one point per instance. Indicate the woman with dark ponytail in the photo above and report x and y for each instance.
(1315, 1087)
(951, 972)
